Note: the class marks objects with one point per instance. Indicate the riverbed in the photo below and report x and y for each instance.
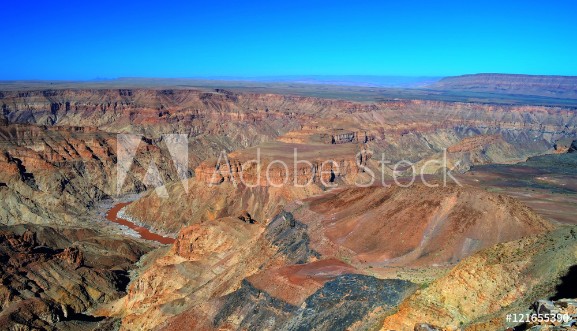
(112, 216)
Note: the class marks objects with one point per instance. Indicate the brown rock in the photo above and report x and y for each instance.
(73, 256)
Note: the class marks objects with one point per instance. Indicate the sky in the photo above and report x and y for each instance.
(80, 40)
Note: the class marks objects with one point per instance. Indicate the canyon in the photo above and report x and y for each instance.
(280, 219)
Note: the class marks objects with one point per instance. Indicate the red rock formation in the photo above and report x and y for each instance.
(472, 143)
(481, 290)
(51, 275)
(367, 226)
(59, 159)
(295, 283)
(72, 255)
(419, 225)
(315, 164)
(52, 173)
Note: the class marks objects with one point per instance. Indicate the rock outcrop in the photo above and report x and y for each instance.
(280, 164)
(419, 225)
(56, 174)
(53, 276)
(292, 270)
(340, 303)
(573, 147)
(566, 145)
(504, 279)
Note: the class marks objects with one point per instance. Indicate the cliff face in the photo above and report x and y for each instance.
(51, 276)
(224, 121)
(55, 174)
(292, 265)
(482, 289)
(254, 118)
(286, 164)
(151, 111)
(327, 135)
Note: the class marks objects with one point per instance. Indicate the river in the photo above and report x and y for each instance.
(112, 216)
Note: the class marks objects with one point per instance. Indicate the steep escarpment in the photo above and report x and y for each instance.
(203, 203)
(418, 225)
(155, 112)
(52, 276)
(212, 120)
(482, 289)
(306, 265)
(56, 174)
(220, 120)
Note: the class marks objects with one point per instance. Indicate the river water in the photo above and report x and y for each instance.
(112, 216)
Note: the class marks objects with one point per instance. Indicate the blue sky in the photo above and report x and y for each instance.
(72, 40)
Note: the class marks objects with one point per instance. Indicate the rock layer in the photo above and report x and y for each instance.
(52, 276)
(482, 289)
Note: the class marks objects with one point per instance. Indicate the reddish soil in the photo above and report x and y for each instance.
(111, 215)
(295, 283)
(416, 226)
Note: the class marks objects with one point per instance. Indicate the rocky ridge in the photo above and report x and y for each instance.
(53, 276)
(504, 279)
(251, 273)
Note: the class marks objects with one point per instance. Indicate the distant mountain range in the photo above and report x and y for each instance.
(545, 86)
(344, 80)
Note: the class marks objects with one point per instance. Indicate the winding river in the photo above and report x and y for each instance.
(112, 216)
